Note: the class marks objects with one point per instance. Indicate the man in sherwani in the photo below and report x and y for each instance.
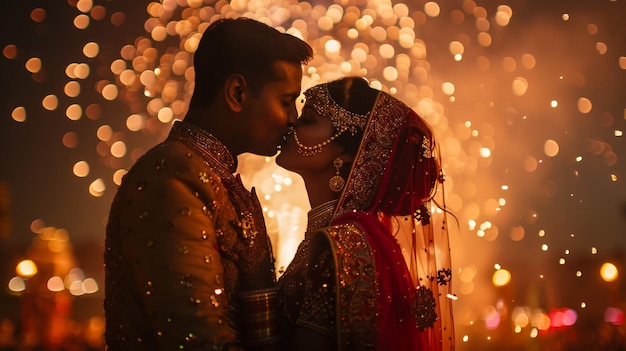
(188, 264)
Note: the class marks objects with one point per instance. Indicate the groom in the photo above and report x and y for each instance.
(188, 264)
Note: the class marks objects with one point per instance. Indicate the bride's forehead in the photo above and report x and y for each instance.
(311, 112)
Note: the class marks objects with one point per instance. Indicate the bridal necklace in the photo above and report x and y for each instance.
(316, 149)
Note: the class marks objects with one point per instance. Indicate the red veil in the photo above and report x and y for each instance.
(390, 194)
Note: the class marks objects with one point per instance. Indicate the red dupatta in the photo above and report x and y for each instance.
(388, 194)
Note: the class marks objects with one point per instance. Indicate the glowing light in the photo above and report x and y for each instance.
(530, 164)
(456, 48)
(503, 16)
(70, 140)
(81, 71)
(81, 21)
(75, 274)
(89, 286)
(501, 277)
(484, 39)
(26, 269)
(521, 316)
(55, 284)
(104, 133)
(74, 112)
(135, 122)
(534, 333)
(118, 175)
(569, 317)
(520, 86)
(76, 288)
(609, 272)
(540, 320)
(84, 5)
(91, 50)
(110, 92)
(33, 65)
(81, 169)
(491, 317)
(118, 149)
(50, 102)
(447, 88)
(528, 61)
(551, 148)
(72, 89)
(614, 316)
(432, 9)
(159, 33)
(584, 105)
(97, 188)
(10, 51)
(390, 73)
(19, 114)
(38, 15)
(332, 47)
(386, 51)
(17, 284)
(165, 115)
(517, 233)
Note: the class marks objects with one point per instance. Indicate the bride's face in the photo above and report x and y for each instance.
(310, 131)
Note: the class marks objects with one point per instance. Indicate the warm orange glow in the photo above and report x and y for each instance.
(609, 272)
(501, 277)
(26, 269)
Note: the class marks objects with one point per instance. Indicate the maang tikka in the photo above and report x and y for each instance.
(343, 120)
(337, 182)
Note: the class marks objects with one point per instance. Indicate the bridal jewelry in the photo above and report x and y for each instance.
(342, 119)
(324, 105)
(337, 182)
(316, 149)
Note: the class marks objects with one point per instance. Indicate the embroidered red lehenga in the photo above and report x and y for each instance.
(374, 268)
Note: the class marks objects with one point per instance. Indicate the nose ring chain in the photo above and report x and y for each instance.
(316, 149)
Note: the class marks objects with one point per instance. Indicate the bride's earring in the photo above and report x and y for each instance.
(337, 182)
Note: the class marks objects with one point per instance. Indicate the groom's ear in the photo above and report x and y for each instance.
(234, 91)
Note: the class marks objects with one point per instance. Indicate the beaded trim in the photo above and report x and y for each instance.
(324, 105)
(204, 142)
(320, 216)
(387, 115)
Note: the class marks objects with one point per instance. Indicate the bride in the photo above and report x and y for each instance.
(373, 271)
